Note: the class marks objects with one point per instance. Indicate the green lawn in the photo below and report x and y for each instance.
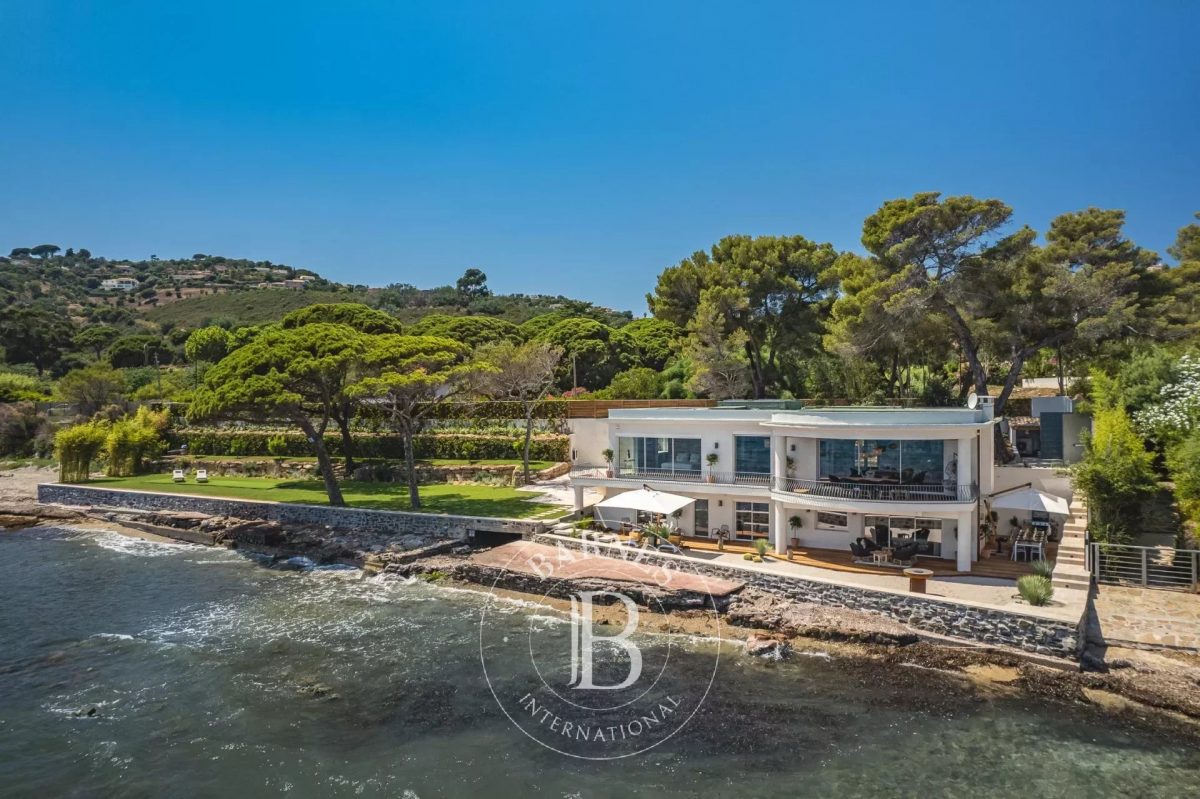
(467, 500)
(535, 466)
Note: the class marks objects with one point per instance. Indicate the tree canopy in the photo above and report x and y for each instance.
(295, 375)
(361, 317)
(773, 292)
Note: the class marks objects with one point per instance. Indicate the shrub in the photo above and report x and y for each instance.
(1183, 463)
(749, 556)
(1043, 568)
(77, 446)
(20, 424)
(277, 446)
(761, 546)
(1116, 473)
(16, 387)
(1035, 589)
(464, 446)
(133, 440)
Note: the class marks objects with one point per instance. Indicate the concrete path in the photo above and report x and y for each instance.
(1148, 618)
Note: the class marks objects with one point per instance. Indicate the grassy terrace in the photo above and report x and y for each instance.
(535, 466)
(467, 500)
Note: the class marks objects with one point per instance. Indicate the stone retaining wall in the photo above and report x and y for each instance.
(429, 525)
(945, 617)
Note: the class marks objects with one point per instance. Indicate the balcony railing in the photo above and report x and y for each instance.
(673, 475)
(878, 492)
(863, 492)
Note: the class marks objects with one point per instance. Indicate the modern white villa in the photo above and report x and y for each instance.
(817, 478)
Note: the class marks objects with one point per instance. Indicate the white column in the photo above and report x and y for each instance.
(966, 469)
(779, 529)
(966, 541)
(578, 497)
(778, 458)
(987, 461)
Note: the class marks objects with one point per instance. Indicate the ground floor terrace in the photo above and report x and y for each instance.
(937, 534)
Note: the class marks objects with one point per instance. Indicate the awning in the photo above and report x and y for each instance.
(647, 500)
(1032, 499)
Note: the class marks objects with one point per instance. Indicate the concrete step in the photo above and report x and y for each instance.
(1071, 576)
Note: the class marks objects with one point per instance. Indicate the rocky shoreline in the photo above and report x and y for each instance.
(1137, 687)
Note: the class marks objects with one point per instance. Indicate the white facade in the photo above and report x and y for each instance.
(119, 283)
(839, 471)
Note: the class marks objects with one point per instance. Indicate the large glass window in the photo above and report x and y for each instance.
(656, 456)
(752, 454)
(882, 461)
(752, 519)
(832, 521)
(701, 517)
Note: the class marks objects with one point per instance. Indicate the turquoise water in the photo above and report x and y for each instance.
(211, 675)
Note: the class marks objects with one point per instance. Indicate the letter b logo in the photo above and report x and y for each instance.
(583, 641)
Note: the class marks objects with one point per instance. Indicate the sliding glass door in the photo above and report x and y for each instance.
(673, 457)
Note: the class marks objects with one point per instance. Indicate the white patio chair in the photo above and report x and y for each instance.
(202, 475)
(177, 476)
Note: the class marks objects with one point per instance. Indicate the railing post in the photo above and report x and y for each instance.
(1196, 571)
(1145, 567)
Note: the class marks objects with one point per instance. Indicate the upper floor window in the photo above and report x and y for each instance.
(882, 461)
(752, 454)
(658, 455)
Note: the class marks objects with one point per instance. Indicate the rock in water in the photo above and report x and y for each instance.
(768, 647)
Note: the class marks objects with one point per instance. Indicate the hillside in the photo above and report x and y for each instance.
(204, 289)
(246, 307)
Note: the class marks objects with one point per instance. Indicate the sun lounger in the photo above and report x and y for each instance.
(177, 475)
(202, 475)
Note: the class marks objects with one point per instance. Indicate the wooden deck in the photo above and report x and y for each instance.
(997, 566)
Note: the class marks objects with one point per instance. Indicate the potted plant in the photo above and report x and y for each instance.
(791, 466)
(721, 536)
(795, 523)
(712, 459)
(676, 537)
(608, 459)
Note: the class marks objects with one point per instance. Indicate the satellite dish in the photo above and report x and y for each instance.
(972, 400)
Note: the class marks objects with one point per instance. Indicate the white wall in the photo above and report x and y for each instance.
(1052, 481)
(589, 438)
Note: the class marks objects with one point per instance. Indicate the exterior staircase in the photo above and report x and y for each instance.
(1070, 567)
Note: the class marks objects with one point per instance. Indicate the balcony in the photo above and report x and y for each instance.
(672, 476)
(877, 491)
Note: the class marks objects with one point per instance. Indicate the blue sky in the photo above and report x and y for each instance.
(575, 147)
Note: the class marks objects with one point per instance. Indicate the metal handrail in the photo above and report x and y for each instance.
(1150, 567)
(878, 492)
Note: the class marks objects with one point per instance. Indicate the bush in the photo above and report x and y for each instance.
(1035, 589)
(1043, 568)
(465, 446)
(16, 387)
(133, 440)
(761, 546)
(77, 447)
(1183, 463)
(1115, 473)
(20, 424)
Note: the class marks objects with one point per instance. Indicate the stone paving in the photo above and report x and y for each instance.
(1149, 617)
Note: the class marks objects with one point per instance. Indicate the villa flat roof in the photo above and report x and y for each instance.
(854, 416)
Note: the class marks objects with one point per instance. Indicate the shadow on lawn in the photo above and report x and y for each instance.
(394, 496)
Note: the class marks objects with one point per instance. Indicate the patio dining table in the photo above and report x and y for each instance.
(1030, 541)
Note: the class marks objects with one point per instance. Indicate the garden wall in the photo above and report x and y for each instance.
(969, 621)
(427, 525)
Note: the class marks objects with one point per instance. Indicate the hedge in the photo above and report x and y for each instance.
(369, 445)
